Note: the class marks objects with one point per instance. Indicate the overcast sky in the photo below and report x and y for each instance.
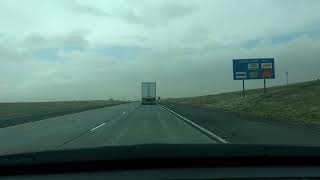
(82, 50)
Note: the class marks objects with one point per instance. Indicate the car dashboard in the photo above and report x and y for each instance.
(167, 162)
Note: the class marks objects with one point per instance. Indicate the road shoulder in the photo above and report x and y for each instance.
(239, 128)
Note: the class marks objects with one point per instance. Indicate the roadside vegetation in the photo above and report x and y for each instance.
(22, 112)
(297, 103)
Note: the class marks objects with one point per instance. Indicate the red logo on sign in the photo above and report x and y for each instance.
(267, 74)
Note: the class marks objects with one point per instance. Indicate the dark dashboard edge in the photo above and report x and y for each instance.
(158, 156)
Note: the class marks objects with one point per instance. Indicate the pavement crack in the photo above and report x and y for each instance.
(72, 139)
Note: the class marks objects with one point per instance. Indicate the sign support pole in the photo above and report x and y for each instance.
(265, 87)
(243, 90)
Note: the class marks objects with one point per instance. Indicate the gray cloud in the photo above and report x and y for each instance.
(132, 17)
(9, 54)
(73, 39)
(138, 38)
(159, 15)
(173, 11)
(88, 9)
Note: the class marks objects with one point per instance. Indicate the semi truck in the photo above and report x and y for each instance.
(148, 93)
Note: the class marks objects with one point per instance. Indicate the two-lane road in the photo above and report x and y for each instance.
(124, 124)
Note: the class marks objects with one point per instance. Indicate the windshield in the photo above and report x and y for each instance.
(86, 74)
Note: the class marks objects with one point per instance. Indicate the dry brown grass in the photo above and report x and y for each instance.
(10, 112)
(297, 102)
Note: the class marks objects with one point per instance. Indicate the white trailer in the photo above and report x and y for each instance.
(148, 93)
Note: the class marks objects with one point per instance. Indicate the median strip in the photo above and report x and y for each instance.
(202, 129)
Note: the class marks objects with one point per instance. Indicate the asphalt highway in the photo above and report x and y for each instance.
(123, 124)
(135, 124)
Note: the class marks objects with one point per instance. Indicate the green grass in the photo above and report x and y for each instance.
(296, 102)
(38, 110)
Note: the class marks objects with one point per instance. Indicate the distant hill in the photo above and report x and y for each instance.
(298, 102)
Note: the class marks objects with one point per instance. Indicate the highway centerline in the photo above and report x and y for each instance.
(98, 126)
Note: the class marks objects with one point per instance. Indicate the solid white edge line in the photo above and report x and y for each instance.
(98, 126)
(197, 126)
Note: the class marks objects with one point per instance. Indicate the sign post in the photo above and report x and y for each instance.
(243, 90)
(265, 87)
(246, 69)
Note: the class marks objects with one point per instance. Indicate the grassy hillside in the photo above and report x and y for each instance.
(297, 102)
(17, 113)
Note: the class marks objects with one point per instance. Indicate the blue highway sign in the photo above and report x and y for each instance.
(244, 69)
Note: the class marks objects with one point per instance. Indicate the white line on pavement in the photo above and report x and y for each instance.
(98, 126)
(197, 126)
(123, 113)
